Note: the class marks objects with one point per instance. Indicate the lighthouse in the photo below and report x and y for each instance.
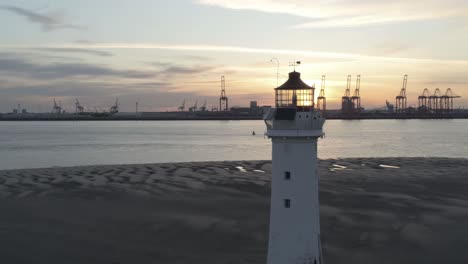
(294, 127)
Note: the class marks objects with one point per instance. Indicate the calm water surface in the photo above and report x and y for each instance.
(46, 144)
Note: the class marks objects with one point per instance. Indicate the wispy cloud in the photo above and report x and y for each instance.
(196, 57)
(350, 13)
(27, 77)
(75, 50)
(18, 66)
(187, 70)
(240, 49)
(48, 22)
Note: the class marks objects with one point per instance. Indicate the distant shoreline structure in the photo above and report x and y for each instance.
(430, 106)
(203, 116)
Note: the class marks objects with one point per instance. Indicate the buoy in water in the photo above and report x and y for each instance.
(253, 133)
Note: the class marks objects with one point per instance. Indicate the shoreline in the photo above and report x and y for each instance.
(24, 119)
(189, 163)
(412, 210)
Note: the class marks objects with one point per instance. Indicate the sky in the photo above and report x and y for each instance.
(160, 53)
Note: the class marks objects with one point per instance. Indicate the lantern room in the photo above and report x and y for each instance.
(294, 93)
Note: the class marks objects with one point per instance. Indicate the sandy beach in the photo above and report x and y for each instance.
(382, 210)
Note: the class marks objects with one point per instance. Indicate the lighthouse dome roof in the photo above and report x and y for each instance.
(294, 83)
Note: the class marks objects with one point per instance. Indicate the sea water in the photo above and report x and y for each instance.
(70, 143)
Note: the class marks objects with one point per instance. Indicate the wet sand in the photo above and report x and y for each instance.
(410, 210)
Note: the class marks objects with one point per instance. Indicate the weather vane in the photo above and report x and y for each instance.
(294, 64)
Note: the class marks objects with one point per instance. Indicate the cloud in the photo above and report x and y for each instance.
(76, 50)
(350, 13)
(388, 48)
(48, 22)
(354, 21)
(35, 55)
(155, 85)
(161, 64)
(196, 58)
(187, 70)
(173, 69)
(29, 80)
(20, 66)
(269, 52)
(77, 89)
(446, 82)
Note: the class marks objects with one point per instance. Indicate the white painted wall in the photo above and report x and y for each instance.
(294, 231)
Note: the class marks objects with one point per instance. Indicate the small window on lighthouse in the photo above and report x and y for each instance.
(287, 175)
(287, 203)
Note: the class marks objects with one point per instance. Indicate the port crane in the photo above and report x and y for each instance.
(79, 109)
(401, 98)
(194, 107)
(57, 109)
(389, 106)
(423, 101)
(435, 102)
(223, 99)
(346, 106)
(321, 99)
(356, 98)
(203, 107)
(115, 108)
(182, 106)
(447, 101)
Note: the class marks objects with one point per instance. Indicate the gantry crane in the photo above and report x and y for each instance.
(223, 99)
(182, 106)
(321, 99)
(346, 105)
(401, 98)
(194, 107)
(434, 102)
(203, 107)
(447, 101)
(423, 106)
(79, 109)
(356, 98)
(57, 108)
(115, 108)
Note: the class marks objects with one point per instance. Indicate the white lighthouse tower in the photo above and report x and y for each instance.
(294, 127)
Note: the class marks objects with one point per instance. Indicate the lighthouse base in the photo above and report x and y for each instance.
(294, 216)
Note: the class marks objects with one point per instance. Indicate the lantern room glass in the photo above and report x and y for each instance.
(302, 99)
